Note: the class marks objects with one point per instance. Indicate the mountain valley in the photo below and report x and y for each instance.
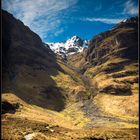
(80, 89)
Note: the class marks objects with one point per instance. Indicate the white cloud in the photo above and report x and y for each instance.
(103, 20)
(130, 8)
(42, 16)
(59, 32)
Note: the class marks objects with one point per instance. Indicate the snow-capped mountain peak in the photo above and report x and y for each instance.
(73, 45)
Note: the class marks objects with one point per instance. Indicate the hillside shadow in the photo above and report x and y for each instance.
(23, 48)
(47, 96)
(8, 107)
(117, 91)
(55, 100)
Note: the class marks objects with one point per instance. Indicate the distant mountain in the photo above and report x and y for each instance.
(73, 45)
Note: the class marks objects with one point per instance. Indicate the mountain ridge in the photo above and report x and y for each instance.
(73, 45)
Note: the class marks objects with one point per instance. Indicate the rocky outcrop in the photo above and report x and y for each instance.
(115, 52)
(121, 41)
(8, 107)
(21, 45)
(111, 64)
(111, 59)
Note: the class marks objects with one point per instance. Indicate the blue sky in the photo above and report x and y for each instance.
(58, 20)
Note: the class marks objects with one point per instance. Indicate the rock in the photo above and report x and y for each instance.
(51, 130)
(121, 41)
(9, 107)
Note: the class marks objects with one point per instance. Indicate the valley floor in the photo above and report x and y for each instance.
(101, 117)
(32, 122)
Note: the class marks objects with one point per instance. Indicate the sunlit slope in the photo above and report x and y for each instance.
(111, 62)
(31, 120)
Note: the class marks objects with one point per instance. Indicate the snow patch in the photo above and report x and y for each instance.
(73, 45)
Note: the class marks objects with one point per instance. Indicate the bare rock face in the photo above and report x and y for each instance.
(121, 41)
(114, 57)
(111, 64)
(8, 107)
(21, 45)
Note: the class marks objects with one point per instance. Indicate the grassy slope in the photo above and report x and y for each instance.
(115, 76)
(29, 85)
(77, 61)
(46, 124)
(72, 117)
(122, 103)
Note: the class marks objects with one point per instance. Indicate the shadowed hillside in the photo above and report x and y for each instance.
(30, 68)
(25, 62)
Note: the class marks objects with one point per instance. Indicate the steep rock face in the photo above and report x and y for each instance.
(114, 59)
(113, 51)
(121, 41)
(21, 44)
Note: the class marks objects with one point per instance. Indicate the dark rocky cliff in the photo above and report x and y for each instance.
(21, 45)
(121, 41)
(27, 64)
(111, 60)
